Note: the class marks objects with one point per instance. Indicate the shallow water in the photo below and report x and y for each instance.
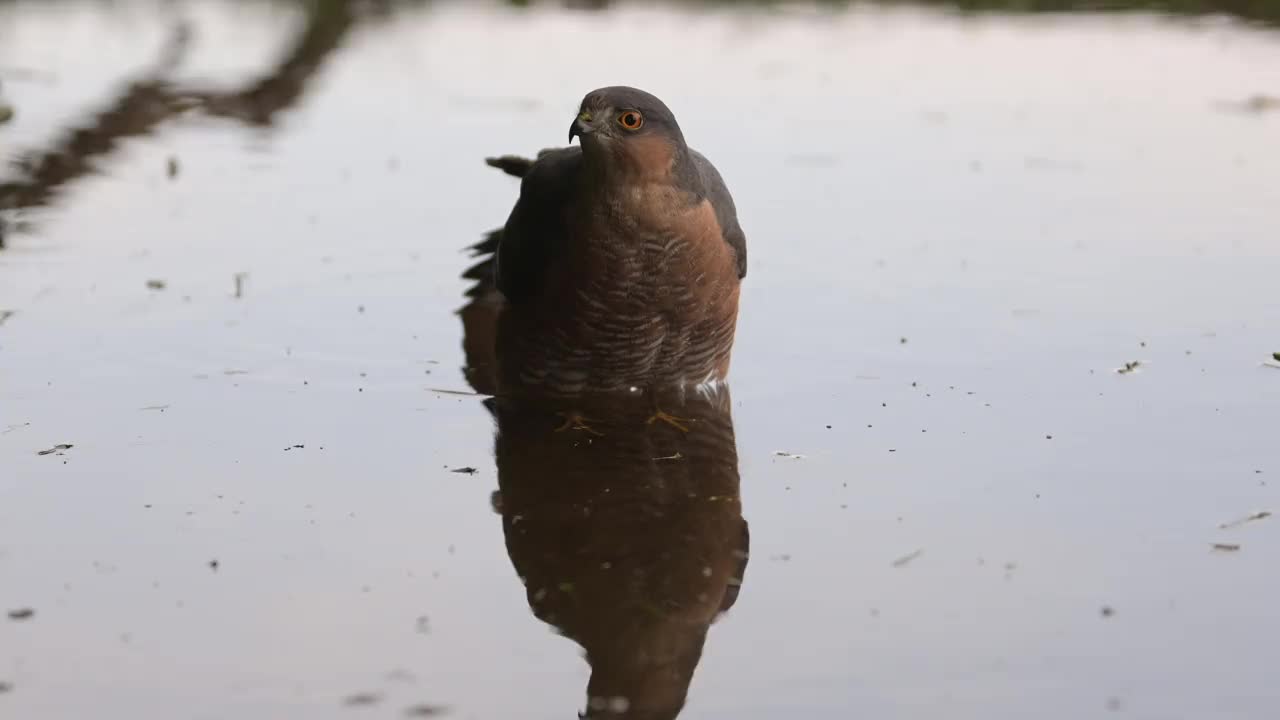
(959, 229)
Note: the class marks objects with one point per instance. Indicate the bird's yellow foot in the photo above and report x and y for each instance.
(575, 421)
(675, 422)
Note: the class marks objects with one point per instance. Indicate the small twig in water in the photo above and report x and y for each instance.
(902, 561)
(454, 392)
(1237, 523)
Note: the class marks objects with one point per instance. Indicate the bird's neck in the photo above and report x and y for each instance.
(642, 161)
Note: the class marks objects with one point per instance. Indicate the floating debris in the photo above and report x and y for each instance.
(1254, 104)
(362, 700)
(214, 565)
(1107, 611)
(677, 456)
(6, 113)
(426, 711)
(1237, 523)
(6, 314)
(1226, 547)
(5, 687)
(171, 168)
(239, 279)
(465, 470)
(295, 447)
(156, 284)
(905, 559)
(1262, 103)
(161, 408)
(446, 391)
(1129, 367)
(422, 625)
(22, 614)
(785, 454)
(56, 449)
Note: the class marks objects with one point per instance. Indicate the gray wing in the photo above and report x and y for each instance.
(535, 232)
(726, 213)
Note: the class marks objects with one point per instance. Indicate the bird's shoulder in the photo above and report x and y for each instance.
(536, 229)
(717, 193)
(553, 172)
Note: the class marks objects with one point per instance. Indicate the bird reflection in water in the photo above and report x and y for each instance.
(600, 311)
(628, 536)
(629, 539)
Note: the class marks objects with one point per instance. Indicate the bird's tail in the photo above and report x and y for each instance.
(514, 164)
(482, 272)
(484, 301)
(480, 316)
(511, 164)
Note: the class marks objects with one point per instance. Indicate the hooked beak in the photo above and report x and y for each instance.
(580, 126)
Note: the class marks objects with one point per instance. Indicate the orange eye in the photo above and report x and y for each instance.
(631, 120)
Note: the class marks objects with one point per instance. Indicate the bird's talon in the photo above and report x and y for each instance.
(575, 421)
(672, 420)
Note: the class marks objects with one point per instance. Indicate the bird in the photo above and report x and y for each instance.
(619, 267)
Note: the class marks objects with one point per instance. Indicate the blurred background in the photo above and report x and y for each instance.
(1004, 390)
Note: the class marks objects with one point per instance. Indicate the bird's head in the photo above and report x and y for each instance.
(629, 129)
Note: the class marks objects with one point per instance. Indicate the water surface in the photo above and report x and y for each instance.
(960, 228)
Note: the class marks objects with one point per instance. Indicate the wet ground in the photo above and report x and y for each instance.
(1004, 398)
